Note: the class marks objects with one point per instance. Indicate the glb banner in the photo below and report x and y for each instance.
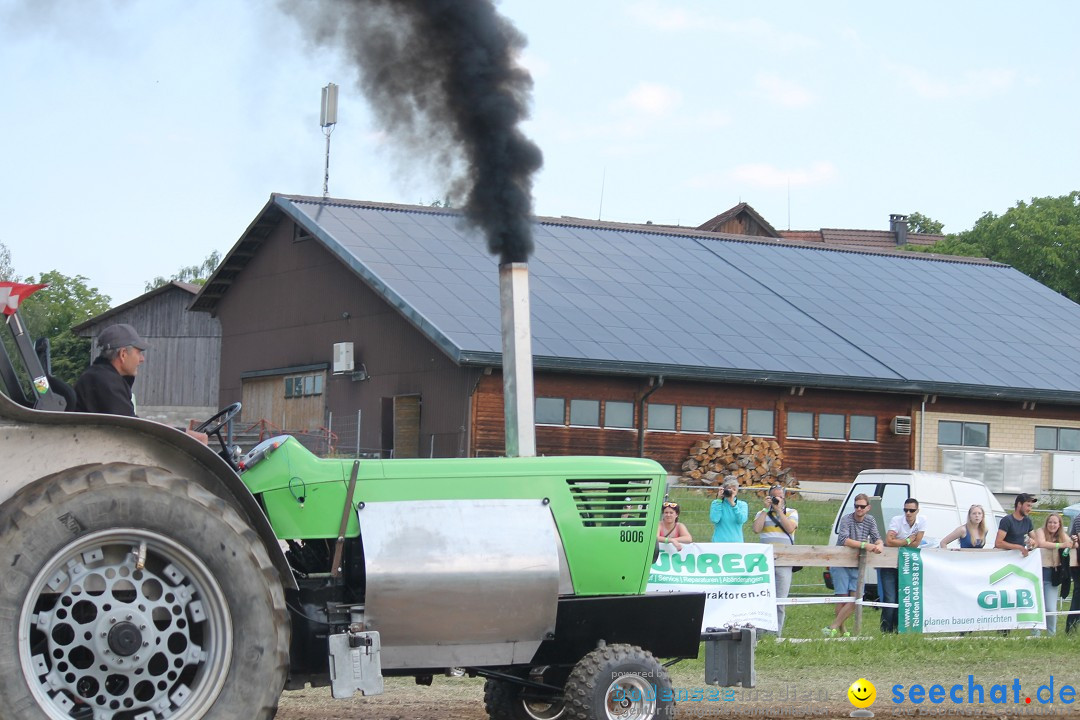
(943, 591)
(737, 579)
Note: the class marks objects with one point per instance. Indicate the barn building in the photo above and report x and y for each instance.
(381, 323)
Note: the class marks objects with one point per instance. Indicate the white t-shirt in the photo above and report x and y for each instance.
(899, 525)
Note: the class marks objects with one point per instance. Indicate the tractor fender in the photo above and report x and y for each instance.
(35, 444)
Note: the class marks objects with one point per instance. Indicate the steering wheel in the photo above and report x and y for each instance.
(213, 425)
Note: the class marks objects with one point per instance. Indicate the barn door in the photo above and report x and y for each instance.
(401, 426)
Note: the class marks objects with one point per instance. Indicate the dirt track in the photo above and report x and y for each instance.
(463, 699)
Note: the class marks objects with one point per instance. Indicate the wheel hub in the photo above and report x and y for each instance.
(121, 631)
(125, 639)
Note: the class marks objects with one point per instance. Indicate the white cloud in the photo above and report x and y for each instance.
(652, 99)
(662, 16)
(769, 176)
(708, 120)
(782, 92)
(673, 17)
(970, 84)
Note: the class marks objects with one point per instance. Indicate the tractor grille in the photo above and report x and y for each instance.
(611, 503)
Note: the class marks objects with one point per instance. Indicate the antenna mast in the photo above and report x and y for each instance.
(328, 119)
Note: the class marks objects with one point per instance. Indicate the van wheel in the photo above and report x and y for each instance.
(136, 594)
(618, 682)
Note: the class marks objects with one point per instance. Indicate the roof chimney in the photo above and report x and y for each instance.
(898, 225)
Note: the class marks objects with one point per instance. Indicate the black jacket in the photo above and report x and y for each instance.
(103, 390)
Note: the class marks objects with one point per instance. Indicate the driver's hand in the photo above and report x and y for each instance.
(201, 437)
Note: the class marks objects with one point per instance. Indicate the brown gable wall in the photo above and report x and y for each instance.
(294, 300)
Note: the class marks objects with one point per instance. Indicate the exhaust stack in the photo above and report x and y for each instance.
(517, 370)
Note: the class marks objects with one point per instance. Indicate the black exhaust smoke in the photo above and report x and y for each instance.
(441, 78)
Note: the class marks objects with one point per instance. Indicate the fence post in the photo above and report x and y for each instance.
(859, 590)
(358, 433)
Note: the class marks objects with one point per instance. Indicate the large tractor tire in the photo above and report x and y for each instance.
(132, 594)
(505, 700)
(619, 682)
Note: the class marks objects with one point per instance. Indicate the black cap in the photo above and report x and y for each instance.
(120, 336)
(1025, 497)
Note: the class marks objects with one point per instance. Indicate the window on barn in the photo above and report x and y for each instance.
(863, 427)
(759, 422)
(1053, 438)
(661, 416)
(800, 425)
(303, 385)
(618, 414)
(969, 434)
(695, 419)
(550, 411)
(585, 412)
(831, 426)
(727, 421)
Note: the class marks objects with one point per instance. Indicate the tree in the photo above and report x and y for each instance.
(919, 223)
(195, 274)
(7, 270)
(53, 311)
(1040, 239)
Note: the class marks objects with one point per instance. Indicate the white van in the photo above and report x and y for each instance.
(943, 500)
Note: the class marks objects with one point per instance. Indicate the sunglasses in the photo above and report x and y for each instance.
(911, 509)
(860, 507)
(671, 505)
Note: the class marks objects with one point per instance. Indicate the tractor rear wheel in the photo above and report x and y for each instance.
(136, 595)
(619, 682)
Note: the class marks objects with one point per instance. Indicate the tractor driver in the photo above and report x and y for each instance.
(106, 386)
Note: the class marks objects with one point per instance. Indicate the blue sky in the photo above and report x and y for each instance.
(139, 135)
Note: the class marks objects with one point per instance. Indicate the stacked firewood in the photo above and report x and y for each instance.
(749, 460)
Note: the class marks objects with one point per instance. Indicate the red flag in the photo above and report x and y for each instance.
(13, 293)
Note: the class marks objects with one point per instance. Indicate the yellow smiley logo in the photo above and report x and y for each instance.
(862, 693)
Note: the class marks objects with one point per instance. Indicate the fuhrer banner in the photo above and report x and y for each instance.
(737, 579)
(944, 591)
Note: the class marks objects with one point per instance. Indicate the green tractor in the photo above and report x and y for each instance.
(149, 577)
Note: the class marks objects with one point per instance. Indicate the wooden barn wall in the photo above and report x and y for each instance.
(741, 224)
(183, 364)
(289, 306)
(811, 459)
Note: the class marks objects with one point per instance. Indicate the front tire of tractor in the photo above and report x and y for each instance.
(136, 594)
(618, 682)
(506, 700)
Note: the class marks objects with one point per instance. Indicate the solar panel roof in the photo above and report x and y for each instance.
(620, 299)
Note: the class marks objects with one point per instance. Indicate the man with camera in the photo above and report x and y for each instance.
(728, 513)
(777, 523)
